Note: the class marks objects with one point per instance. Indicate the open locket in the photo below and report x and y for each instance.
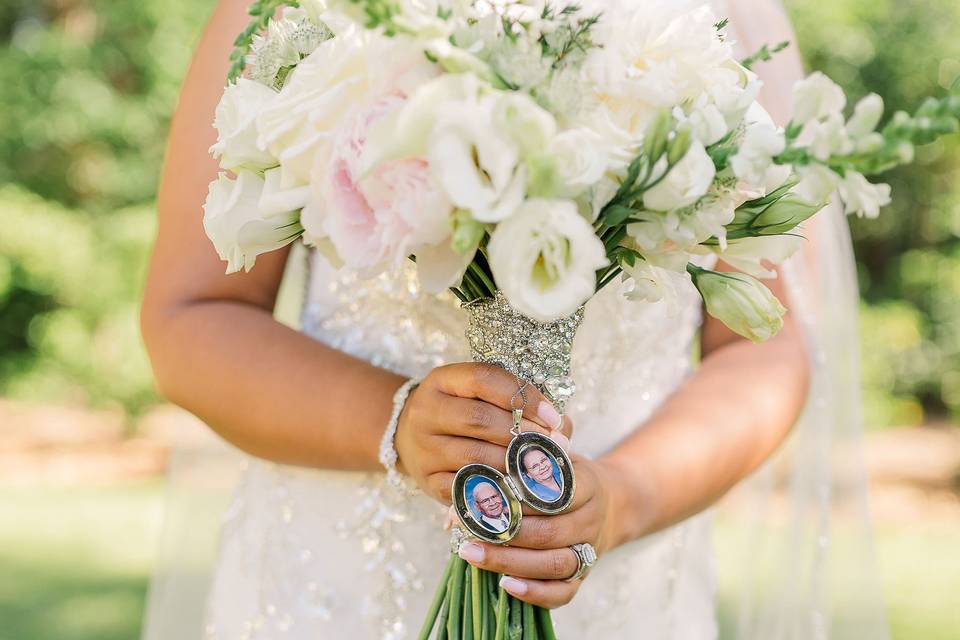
(539, 473)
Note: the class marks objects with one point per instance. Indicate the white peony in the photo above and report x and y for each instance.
(545, 258)
(236, 124)
(687, 181)
(862, 197)
(236, 225)
(816, 97)
(352, 69)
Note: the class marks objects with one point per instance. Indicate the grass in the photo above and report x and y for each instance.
(74, 565)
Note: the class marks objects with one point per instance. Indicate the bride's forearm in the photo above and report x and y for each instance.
(721, 425)
(268, 389)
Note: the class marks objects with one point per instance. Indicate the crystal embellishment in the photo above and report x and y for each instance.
(537, 352)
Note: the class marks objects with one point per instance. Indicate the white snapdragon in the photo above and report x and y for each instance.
(816, 97)
(545, 258)
(862, 197)
(817, 183)
(238, 228)
(236, 125)
(750, 254)
(687, 181)
(827, 137)
(741, 302)
(866, 116)
(658, 278)
(761, 143)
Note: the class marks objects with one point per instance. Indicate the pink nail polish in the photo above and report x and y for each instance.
(514, 586)
(471, 552)
(549, 415)
(561, 440)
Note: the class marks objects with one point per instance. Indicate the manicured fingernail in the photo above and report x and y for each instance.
(471, 552)
(514, 586)
(560, 439)
(549, 415)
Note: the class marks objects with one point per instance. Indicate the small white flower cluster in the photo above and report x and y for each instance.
(533, 149)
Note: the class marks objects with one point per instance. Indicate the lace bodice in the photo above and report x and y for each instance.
(305, 552)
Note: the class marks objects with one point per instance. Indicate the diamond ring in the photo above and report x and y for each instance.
(586, 557)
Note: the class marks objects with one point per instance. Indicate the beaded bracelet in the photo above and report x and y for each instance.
(388, 452)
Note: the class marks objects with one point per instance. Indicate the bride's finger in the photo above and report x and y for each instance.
(455, 452)
(548, 594)
(554, 532)
(550, 564)
(497, 386)
(479, 419)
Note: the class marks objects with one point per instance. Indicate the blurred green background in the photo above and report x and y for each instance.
(87, 91)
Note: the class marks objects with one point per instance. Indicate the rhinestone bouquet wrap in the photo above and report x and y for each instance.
(535, 352)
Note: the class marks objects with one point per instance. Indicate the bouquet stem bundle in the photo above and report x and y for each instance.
(468, 605)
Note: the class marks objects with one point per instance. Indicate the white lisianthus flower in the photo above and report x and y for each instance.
(237, 227)
(741, 302)
(708, 124)
(354, 68)
(866, 116)
(580, 160)
(545, 257)
(687, 182)
(749, 254)
(275, 199)
(862, 197)
(815, 97)
(827, 137)
(236, 124)
(753, 159)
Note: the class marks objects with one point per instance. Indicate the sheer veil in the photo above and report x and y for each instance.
(797, 562)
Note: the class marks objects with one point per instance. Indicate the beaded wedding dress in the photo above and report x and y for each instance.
(307, 554)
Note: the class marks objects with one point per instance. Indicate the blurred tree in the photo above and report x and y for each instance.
(909, 259)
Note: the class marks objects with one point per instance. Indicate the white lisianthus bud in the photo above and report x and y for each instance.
(545, 257)
(862, 197)
(235, 224)
(236, 124)
(741, 302)
(761, 143)
(866, 116)
(687, 182)
(815, 97)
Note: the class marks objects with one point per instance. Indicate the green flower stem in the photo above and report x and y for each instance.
(477, 587)
(444, 612)
(467, 608)
(529, 623)
(502, 612)
(438, 599)
(456, 598)
(608, 277)
(481, 275)
(485, 610)
(546, 624)
(515, 632)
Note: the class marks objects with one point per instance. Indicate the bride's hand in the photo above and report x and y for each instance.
(539, 559)
(461, 413)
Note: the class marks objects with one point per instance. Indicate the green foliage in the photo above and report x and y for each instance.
(88, 88)
(909, 259)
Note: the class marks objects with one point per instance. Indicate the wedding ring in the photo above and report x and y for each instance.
(586, 557)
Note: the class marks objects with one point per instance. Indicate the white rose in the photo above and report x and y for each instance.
(341, 73)
(815, 97)
(753, 159)
(545, 258)
(236, 226)
(236, 124)
(862, 197)
(580, 160)
(749, 254)
(742, 303)
(866, 116)
(687, 182)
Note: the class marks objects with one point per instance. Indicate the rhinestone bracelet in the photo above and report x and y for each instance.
(388, 452)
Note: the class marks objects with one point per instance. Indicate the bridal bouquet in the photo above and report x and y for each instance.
(535, 152)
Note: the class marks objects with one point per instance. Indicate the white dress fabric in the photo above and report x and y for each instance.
(308, 554)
